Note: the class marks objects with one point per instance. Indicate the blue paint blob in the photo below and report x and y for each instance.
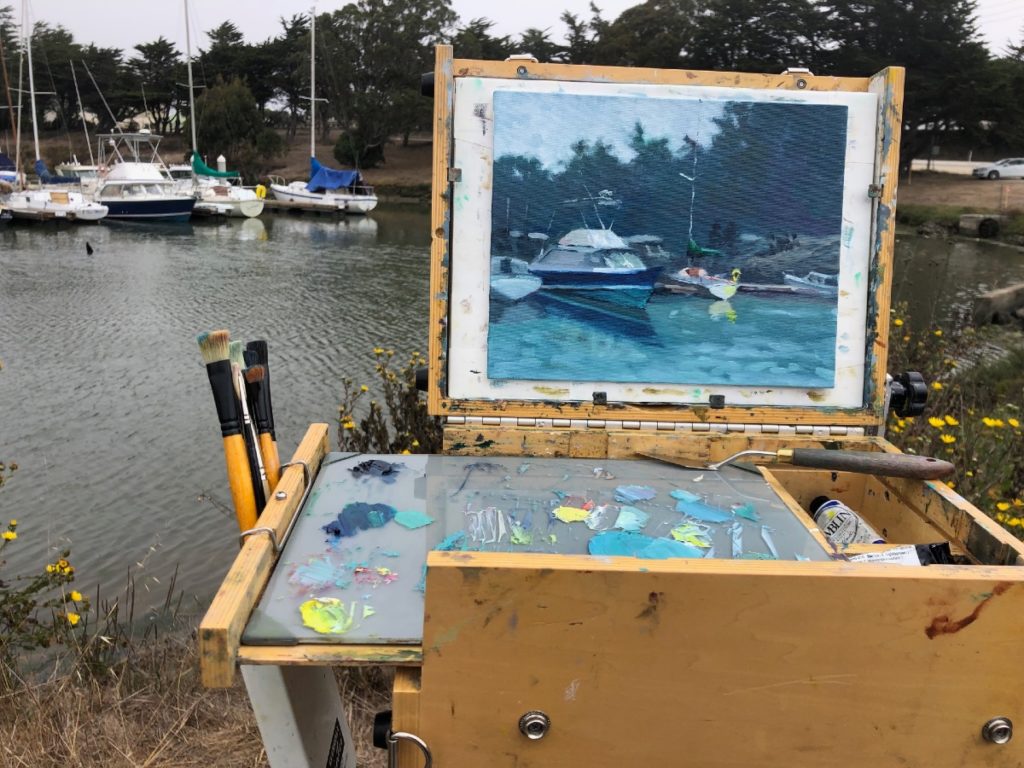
(385, 470)
(412, 519)
(359, 516)
(747, 512)
(628, 544)
(703, 512)
(630, 494)
(680, 495)
(663, 549)
(452, 542)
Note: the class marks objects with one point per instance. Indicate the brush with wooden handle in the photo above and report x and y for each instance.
(215, 349)
(259, 406)
(259, 474)
(258, 353)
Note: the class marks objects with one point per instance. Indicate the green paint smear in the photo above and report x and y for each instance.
(327, 615)
(520, 536)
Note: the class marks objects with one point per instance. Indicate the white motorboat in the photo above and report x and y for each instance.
(133, 181)
(814, 282)
(511, 279)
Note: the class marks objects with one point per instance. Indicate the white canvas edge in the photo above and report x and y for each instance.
(469, 297)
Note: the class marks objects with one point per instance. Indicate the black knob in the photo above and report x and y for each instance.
(427, 84)
(381, 729)
(422, 378)
(908, 394)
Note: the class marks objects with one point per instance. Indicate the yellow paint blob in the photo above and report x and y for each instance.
(571, 514)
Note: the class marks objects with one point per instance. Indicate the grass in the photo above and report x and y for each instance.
(948, 216)
(151, 710)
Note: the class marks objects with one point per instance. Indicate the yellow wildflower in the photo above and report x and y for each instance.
(9, 535)
(936, 422)
(50, 567)
(378, 351)
(938, 331)
(1018, 503)
(901, 423)
(1002, 506)
(990, 422)
(364, 388)
(13, 523)
(951, 485)
(415, 443)
(348, 425)
(947, 439)
(906, 338)
(406, 452)
(897, 322)
(936, 385)
(73, 618)
(1013, 422)
(952, 421)
(75, 596)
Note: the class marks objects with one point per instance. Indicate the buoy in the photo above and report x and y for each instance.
(261, 191)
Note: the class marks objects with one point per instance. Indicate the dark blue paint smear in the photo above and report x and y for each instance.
(385, 470)
(360, 516)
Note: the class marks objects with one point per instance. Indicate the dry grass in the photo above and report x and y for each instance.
(152, 711)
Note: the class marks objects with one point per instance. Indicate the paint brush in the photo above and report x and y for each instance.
(259, 405)
(215, 349)
(258, 349)
(259, 475)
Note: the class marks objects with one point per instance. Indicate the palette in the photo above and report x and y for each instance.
(354, 569)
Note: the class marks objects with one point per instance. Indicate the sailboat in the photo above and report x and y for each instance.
(52, 199)
(344, 190)
(214, 190)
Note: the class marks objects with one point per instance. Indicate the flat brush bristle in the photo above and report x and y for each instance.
(255, 373)
(235, 354)
(260, 348)
(214, 346)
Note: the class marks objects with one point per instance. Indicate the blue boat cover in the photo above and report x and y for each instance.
(6, 164)
(322, 178)
(48, 178)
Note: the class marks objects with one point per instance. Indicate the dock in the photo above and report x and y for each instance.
(283, 206)
(684, 288)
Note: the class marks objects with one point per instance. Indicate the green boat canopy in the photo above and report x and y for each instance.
(202, 169)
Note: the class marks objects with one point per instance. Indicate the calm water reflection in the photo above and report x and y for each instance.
(106, 406)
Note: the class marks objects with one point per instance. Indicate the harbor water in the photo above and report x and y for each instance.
(106, 407)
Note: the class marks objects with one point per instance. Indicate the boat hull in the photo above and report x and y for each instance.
(348, 203)
(514, 287)
(627, 288)
(174, 209)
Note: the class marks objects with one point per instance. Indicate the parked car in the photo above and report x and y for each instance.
(1010, 168)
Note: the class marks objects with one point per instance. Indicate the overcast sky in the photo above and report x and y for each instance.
(124, 23)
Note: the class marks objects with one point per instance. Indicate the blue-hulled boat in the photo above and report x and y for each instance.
(133, 181)
(595, 265)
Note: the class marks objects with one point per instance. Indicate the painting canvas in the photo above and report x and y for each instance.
(675, 241)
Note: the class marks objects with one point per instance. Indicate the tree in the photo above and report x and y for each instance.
(228, 122)
(539, 43)
(937, 41)
(751, 36)
(119, 82)
(653, 34)
(376, 51)
(224, 57)
(475, 41)
(159, 69)
(291, 50)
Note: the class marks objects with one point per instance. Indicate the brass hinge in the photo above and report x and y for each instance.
(655, 426)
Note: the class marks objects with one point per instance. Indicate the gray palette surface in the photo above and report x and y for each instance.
(351, 573)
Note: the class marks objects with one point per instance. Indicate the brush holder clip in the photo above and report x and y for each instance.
(261, 529)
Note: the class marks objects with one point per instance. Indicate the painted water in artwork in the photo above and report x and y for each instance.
(682, 241)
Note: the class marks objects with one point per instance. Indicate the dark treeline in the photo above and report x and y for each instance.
(371, 53)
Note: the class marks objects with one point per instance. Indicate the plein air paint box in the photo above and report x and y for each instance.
(585, 310)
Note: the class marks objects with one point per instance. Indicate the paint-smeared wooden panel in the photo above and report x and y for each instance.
(718, 663)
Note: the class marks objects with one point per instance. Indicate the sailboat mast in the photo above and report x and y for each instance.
(312, 82)
(31, 86)
(7, 86)
(191, 90)
(81, 112)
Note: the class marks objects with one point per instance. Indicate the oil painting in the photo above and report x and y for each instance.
(666, 240)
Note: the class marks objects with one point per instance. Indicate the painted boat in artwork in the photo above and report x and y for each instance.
(815, 282)
(595, 265)
(511, 280)
(713, 286)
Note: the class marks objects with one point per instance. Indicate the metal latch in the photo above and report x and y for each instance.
(395, 736)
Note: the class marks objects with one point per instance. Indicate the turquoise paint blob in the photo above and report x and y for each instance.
(413, 519)
(698, 510)
(629, 544)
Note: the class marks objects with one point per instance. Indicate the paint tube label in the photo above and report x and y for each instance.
(842, 526)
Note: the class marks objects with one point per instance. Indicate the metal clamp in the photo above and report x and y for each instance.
(261, 529)
(305, 469)
(395, 736)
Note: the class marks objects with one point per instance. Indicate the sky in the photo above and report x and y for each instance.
(124, 23)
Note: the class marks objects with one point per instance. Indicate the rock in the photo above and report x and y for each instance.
(1000, 306)
(931, 229)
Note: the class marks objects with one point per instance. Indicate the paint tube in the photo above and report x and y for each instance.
(841, 525)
